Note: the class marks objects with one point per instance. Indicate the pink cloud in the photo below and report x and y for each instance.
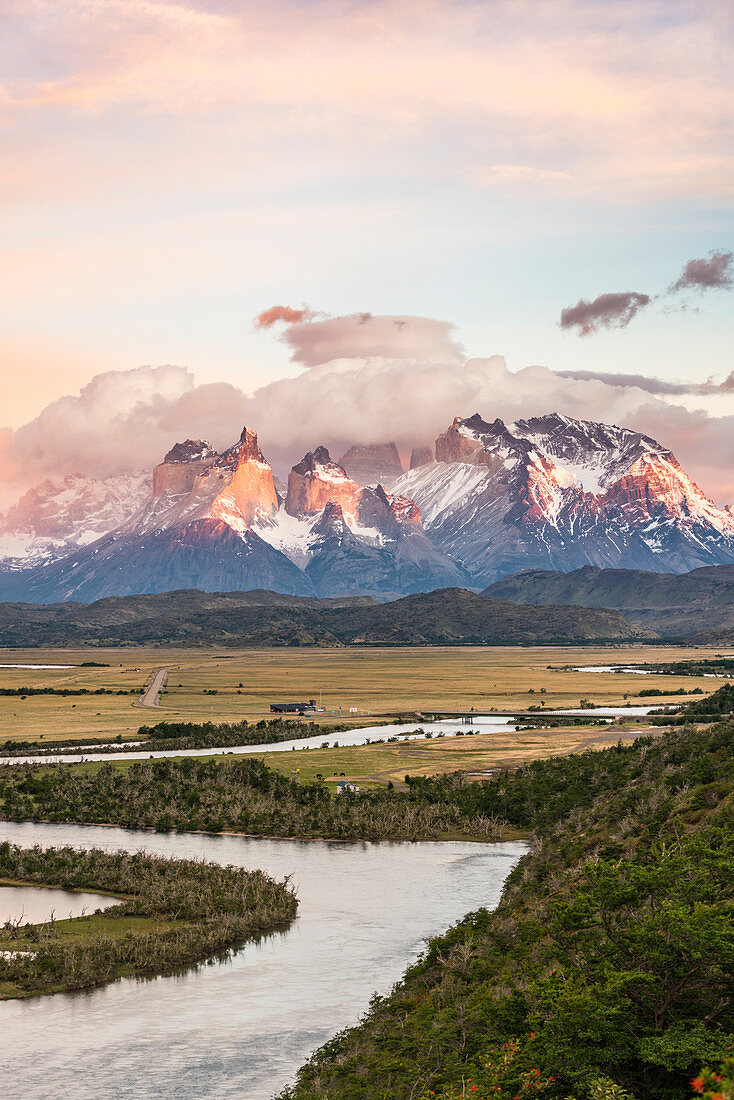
(286, 314)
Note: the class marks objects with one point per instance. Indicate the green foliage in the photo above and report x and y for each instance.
(240, 794)
(608, 969)
(720, 702)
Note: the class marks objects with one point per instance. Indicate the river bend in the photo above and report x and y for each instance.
(240, 1028)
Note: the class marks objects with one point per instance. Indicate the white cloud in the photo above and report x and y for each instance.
(363, 392)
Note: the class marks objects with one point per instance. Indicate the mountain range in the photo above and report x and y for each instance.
(489, 500)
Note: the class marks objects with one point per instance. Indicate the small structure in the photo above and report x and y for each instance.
(345, 787)
(294, 708)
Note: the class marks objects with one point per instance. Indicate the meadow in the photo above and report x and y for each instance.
(352, 684)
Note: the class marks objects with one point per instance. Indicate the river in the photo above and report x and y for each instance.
(240, 1028)
(448, 727)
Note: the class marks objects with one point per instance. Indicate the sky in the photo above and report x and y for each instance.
(529, 179)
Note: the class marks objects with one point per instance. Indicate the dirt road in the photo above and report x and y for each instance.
(152, 694)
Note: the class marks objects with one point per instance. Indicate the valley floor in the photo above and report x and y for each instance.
(354, 685)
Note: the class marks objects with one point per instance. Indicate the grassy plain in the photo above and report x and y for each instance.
(376, 765)
(376, 682)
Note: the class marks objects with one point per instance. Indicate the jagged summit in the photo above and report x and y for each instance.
(246, 449)
(555, 492)
(317, 460)
(316, 481)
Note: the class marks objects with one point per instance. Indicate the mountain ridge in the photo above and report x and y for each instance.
(236, 619)
(697, 606)
(548, 493)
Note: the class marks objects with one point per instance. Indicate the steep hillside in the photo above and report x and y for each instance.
(607, 971)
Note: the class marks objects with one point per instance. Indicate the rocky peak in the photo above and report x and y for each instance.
(372, 463)
(177, 473)
(386, 513)
(246, 449)
(317, 460)
(315, 481)
(191, 450)
(420, 456)
(331, 525)
(475, 441)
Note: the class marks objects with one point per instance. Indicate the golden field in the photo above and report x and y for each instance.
(379, 681)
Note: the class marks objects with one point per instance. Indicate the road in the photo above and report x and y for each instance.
(152, 693)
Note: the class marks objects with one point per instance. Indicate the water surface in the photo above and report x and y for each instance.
(36, 904)
(241, 1028)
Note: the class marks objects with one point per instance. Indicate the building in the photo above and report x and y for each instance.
(345, 787)
(294, 708)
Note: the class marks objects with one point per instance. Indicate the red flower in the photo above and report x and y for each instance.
(697, 1084)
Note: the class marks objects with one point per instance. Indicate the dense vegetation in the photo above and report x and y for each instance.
(184, 736)
(607, 970)
(710, 709)
(235, 619)
(66, 691)
(241, 795)
(173, 912)
(718, 703)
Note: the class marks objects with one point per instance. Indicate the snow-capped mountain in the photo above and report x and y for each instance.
(63, 514)
(544, 493)
(557, 493)
(215, 522)
(352, 538)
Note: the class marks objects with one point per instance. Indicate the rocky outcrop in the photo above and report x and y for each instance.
(236, 486)
(386, 513)
(250, 494)
(372, 463)
(183, 465)
(317, 481)
(420, 456)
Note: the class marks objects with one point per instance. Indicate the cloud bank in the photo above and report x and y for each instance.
(368, 379)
